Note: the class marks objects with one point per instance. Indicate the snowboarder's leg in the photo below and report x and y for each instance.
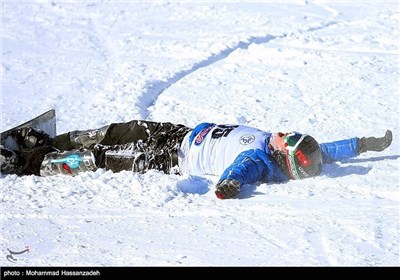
(159, 151)
(80, 139)
(133, 131)
(137, 157)
(68, 162)
(154, 146)
(113, 134)
(128, 132)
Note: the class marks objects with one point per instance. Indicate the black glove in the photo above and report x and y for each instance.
(374, 144)
(227, 188)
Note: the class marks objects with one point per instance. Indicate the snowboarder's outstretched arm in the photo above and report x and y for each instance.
(249, 167)
(348, 148)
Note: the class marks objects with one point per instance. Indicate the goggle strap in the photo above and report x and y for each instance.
(291, 165)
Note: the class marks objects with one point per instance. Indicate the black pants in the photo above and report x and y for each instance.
(136, 145)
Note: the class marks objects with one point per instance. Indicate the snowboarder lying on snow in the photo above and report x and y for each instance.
(239, 154)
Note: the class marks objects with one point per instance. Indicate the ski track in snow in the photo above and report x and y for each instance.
(155, 88)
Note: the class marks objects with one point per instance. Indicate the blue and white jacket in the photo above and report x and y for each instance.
(241, 152)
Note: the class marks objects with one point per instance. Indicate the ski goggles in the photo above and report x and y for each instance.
(292, 141)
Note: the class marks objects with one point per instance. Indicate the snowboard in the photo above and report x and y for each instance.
(45, 122)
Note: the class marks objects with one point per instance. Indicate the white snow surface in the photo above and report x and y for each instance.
(327, 68)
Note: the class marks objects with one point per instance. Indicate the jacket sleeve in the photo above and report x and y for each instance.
(339, 150)
(253, 166)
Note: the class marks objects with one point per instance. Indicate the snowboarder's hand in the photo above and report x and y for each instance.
(227, 188)
(374, 144)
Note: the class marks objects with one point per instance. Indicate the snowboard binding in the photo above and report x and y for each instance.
(29, 138)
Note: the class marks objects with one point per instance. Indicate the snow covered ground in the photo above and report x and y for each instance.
(330, 69)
